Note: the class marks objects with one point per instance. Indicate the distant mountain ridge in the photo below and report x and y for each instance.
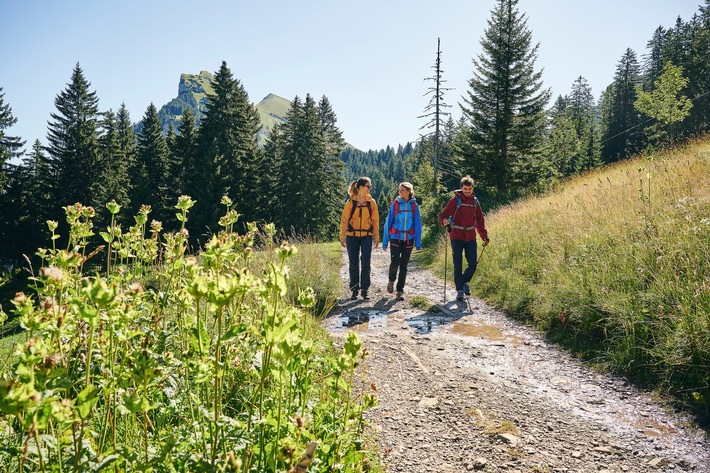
(193, 90)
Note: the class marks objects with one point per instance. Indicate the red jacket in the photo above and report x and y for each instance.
(468, 218)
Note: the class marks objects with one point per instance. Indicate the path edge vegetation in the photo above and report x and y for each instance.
(158, 360)
(614, 265)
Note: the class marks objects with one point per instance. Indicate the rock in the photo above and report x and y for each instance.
(479, 463)
(509, 439)
(428, 402)
(658, 462)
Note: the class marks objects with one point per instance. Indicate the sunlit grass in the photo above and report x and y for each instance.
(615, 264)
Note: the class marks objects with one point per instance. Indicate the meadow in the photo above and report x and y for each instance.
(615, 265)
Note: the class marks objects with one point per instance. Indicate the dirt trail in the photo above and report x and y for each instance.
(467, 389)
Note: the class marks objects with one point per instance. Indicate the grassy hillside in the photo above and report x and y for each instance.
(272, 110)
(615, 265)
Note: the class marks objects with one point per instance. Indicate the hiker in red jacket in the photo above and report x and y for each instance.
(464, 215)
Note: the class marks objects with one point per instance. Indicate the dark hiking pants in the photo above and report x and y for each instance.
(458, 249)
(359, 254)
(400, 252)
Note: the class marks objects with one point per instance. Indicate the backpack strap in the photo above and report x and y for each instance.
(459, 203)
(411, 210)
(352, 212)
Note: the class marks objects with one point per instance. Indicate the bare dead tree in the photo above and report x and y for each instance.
(435, 110)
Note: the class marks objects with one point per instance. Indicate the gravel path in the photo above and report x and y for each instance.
(467, 389)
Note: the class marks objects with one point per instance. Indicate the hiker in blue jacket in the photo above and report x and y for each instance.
(403, 230)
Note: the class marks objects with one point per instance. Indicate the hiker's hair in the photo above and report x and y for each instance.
(409, 187)
(356, 185)
(467, 181)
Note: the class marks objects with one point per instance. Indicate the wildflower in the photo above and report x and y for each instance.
(113, 207)
(52, 273)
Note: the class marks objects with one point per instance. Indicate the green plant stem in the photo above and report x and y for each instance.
(217, 384)
(39, 447)
(88, 355)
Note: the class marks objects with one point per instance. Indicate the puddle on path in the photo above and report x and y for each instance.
(363, 321)
(487, 332)
(379, 320)
(653, 428)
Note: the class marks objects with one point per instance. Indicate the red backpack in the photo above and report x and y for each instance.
(411, 210)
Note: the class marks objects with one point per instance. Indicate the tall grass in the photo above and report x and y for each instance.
(164, 361)
(616, 265)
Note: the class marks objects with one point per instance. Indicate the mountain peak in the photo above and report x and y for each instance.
(193, 90)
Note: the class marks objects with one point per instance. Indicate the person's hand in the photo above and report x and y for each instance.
(376, 244)
(384, 248)
(444, 223)
(419, 248)
(486, 242)
(342, 242)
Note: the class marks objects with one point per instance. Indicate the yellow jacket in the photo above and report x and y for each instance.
(365, 220)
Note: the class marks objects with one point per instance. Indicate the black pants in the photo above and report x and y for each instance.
(400, 252)
(458, 249)
(359, 251)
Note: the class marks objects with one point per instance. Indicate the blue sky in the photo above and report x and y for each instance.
(369, 57)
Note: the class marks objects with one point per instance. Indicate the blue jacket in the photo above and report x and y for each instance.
(399, 227)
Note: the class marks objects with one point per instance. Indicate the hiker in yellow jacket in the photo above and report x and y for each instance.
(359, 233)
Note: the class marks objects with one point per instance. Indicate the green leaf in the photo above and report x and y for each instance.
(85, 401)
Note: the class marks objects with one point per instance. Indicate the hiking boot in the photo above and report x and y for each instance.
(354, 296)
(390, 287)
(467, 289)
(400, 296)
(459, 296)
(365, 297)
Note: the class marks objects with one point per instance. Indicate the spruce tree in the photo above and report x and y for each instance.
(10, 146)
(127, 151)
(653, 61)
(150, 172)
(562, 141)
(307, 171)
(23, 207)
(583, 115)
(621, 136)
(185, 158)
(73, 144)
(505, 106)
(229, 151)
(113, 182)
(698, 70)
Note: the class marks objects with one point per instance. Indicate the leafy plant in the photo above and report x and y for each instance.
(165, 361)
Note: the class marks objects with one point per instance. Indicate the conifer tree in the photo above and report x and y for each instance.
(562, 142)
(73, 144)
(185, 156)
(505, 105)
(621, 136)
(229, 152)
(582, 113)
(305, 154)
(698, 70)
(10, 146)
(112, 182)
(150, 172)
(23, 207)
(653, 61)
(127, 151)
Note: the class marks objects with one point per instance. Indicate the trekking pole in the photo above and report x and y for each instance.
(446, 258)
(446, 244)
